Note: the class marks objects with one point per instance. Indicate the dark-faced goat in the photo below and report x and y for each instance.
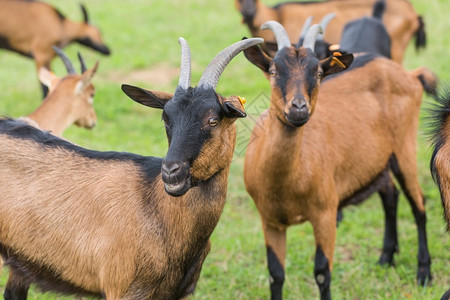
(401, 21)
(120, 225)
(31, 28)
(339, 142)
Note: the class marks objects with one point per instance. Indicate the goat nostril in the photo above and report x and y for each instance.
(171, 168)
(301, 105)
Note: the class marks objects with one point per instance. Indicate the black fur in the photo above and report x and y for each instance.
(421, 36)
(378, 9)
(150, 166)
(322, 274)
(446, 296)
(276, 271)
(358, 62)
(93, 45)
(4, 43)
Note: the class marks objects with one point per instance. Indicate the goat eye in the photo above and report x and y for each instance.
(319, 75)
(213, 122)
(272, 73)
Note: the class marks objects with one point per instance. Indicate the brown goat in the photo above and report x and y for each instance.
(339, 143)
(401, 21)
(31, 28)
(120, 225)
(70, 99)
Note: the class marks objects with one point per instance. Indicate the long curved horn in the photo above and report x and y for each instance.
(82, 63)
(324, 23)
(66, 60)
(280, 33)
(311, 36)
(85, 13)
(213, 71)
(185, 70)
(306, 26)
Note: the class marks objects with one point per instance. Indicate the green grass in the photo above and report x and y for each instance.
(143, 36)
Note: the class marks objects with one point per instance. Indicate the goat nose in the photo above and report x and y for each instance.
(299, 104)
(171, 168)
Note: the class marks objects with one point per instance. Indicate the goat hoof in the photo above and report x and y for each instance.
(386, 259)
(424, 276)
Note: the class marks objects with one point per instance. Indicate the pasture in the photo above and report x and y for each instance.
(143, 38)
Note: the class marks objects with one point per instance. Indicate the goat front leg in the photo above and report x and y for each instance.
(324, 226)
(275, 238)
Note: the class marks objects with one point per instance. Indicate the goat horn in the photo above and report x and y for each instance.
(85, 14)
(325, 21)
(311, 36)
(185, 71)
(213, 71)
(306, 26)
(280, 33)
(69, 67)
(82, 63)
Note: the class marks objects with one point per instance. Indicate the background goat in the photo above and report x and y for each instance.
(31, 28)
(338, 157)
(401, 21)
(120, 225)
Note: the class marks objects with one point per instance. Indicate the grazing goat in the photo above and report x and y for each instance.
(120, 225)
(70, 100)
(364, 125)
(402, 22)
(31, 28)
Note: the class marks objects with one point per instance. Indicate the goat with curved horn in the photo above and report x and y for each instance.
(82, 63)
(212, 73)
(324, 23)
(306, 26)
(185, 70)
(311, 36)
(279, 32)
(67, 63)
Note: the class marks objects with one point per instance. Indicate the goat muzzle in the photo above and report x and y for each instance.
(176, 177)
(297, 112)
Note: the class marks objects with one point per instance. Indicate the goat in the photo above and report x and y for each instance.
(120, 225)
(31, 28)
(363, 127)
(401, 21)
(70, 99)
(439, 127)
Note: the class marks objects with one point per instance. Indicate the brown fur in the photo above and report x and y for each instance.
(302, 174)
(70, 101)
(400, 19)
(102, 226)
(32, 28)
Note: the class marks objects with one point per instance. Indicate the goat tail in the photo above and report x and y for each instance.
(421, 36)
(378, 9)
(428, 79)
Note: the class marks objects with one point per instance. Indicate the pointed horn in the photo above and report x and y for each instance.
(311, 36)
(85, 14)
(82, 63)
(69, 67)
(214, 70)
(280, 33)
(324, 23)
(185, 70)
(306, 26)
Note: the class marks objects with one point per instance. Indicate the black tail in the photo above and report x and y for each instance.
(421, 36)
(378, 9)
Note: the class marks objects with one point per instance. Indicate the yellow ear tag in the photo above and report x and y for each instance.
(335, 60)
(242, 100)
(337, 53)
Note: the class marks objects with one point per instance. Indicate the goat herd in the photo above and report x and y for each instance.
(127, 239)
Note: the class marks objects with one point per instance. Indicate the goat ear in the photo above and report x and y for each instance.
(155, 99)
(86, 79)
(47, 78)
(257, 57)
(336, 63)
(234, 107)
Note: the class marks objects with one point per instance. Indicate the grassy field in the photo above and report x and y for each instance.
(143, 37)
